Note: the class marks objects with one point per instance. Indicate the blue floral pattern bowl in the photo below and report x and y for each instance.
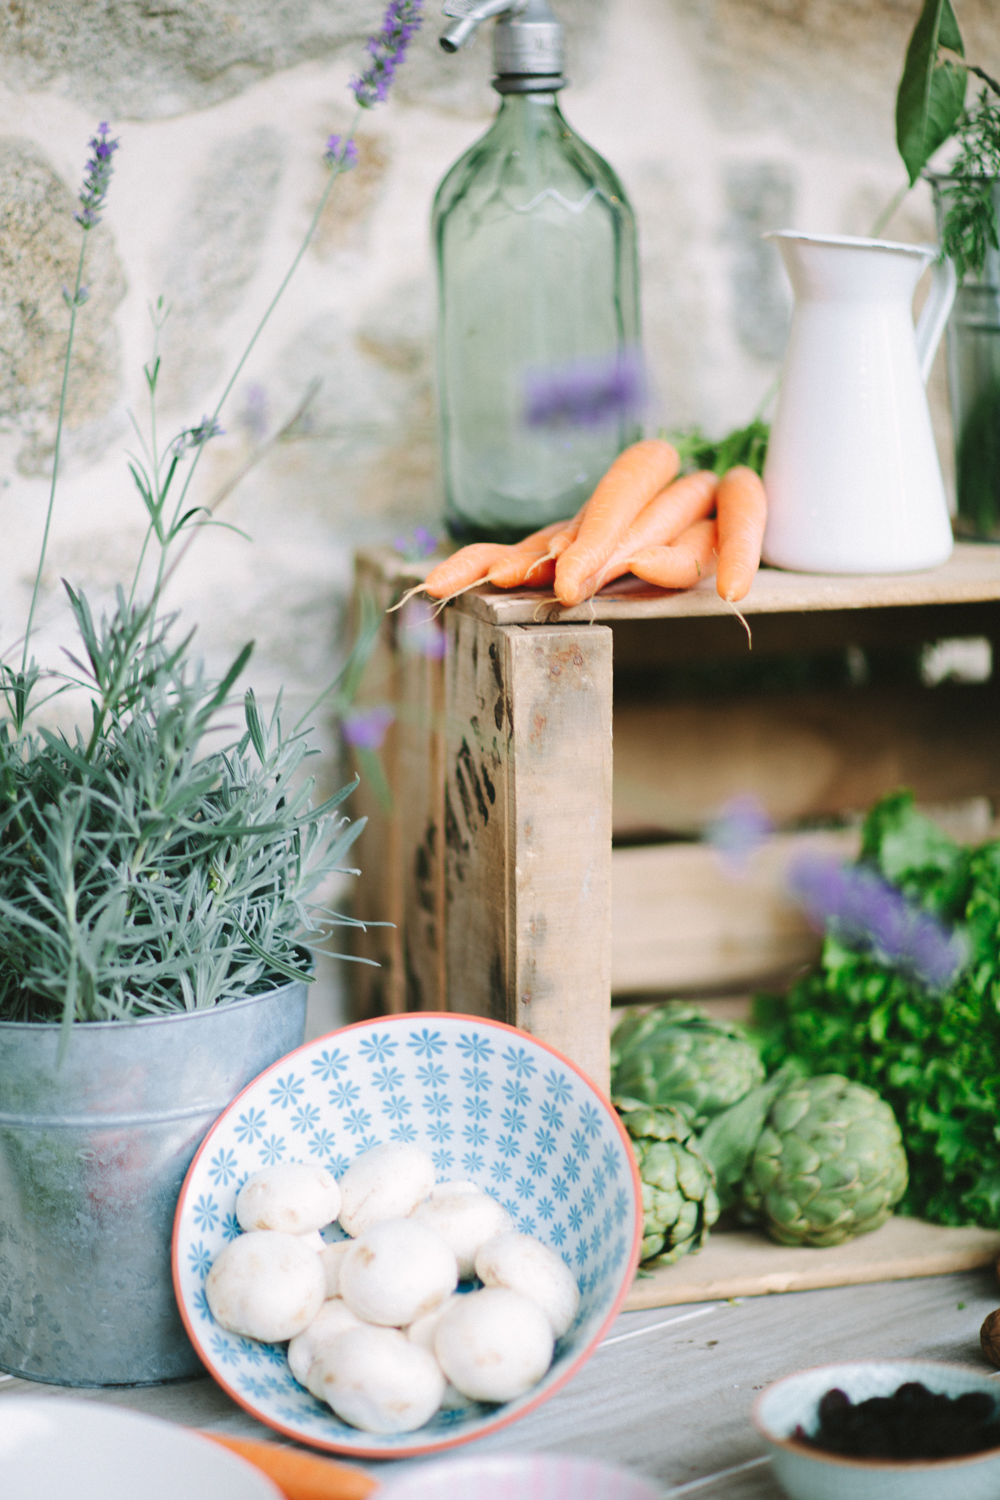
(491, 1105)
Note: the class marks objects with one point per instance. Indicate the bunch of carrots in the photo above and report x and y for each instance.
(640, 519)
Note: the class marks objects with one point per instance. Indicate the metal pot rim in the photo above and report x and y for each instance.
(165, 1018)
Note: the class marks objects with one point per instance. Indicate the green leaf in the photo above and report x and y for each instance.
(931, 93)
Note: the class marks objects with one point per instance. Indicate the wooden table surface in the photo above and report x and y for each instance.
(669, 1391)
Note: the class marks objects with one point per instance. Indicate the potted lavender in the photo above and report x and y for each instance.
(159, 907)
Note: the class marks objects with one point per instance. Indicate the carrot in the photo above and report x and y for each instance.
(682, 564)
(633, 479)
(463, 569)
(300, 1475)
(523, 563)
(669, 513)
(741, 506)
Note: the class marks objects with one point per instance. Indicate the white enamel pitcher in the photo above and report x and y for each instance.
(852, 474)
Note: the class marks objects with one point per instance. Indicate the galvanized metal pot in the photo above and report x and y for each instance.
(93, 1152)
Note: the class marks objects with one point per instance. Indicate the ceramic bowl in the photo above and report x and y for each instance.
(55, 1447)
(527, 1476)
(490, 1104)
(806, 1474)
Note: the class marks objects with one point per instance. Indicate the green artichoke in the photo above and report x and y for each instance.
(678, 1056)
(678, 1190)
(828, 1165)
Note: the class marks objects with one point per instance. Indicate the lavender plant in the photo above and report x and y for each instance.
(140, 873)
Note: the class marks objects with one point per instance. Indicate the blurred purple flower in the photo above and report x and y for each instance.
(419, 544)
(738, 832)
(388, 49)
(196, 437)
(339, 154)
(255, 411)
(366, 728)
(421, 632)
(98, 178)
(587, 392)
(865, 911)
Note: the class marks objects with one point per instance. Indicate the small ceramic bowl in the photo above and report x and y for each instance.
(528, 1476)
(490, 1104)
(808, 1474)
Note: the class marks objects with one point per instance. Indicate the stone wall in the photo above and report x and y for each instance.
(723, 117)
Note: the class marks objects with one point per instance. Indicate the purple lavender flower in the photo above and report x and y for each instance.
(341, 153)
(255, 410)
(738, 832)
(196, 437)
(587, 392)
(98, 178)
(402, 21)
(421, 632)
(366, 728)
(419, 544)
(866, 912)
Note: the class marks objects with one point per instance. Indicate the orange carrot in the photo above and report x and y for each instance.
(523, 562)
(741, 506)
(682, 564)
(633, 479)
(467, 566)
(660, 522)
(301, 1475)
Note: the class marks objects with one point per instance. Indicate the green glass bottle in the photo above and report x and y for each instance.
(536, 265)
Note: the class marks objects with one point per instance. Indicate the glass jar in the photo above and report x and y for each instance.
(974, 385)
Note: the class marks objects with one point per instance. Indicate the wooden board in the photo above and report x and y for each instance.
(528, 866)
(743, 1263)
(971, 573)
(680, 922)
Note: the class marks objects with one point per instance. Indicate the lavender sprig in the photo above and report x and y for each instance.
(587, 392)
(403, 19)
(98, 178)
(198, 436)
(341, 153)
(866, 912)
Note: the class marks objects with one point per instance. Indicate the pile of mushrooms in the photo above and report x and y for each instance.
(375, 1325)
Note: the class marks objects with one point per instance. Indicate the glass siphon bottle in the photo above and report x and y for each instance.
(536, 267)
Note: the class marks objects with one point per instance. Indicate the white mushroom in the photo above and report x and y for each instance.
(422, 1332)
(331, 1255)
(396, 1272)
(527, 1266)
(494, 1345)
(386, 1182)
(291, 1196)
(313, 1239)
(467, 1221)
(452, 1189)
(377, 1380)
(265, 1286)
(333, 1319)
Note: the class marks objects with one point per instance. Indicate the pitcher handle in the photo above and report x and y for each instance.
(944, 284)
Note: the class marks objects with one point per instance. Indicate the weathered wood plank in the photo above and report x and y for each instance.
(669, 1392)
(802, 755)
(680, 922)
(528, 831)
(744, 1263)
(971, 573)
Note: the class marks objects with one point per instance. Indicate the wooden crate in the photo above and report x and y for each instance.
(497, 863)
